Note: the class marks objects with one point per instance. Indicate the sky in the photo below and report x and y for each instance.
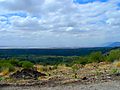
(59, 23)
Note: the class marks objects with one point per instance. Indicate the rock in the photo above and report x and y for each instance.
(27, 74)
(117, 74)
(84, 78)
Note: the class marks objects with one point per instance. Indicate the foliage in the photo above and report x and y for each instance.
(75, 67)
(80, 60)
(97, 72)
(27, 61)
(114, 71)
(14, 62)
(113, 55)
(95, 57)
(4, 66)
(2, 78)
(26, 64)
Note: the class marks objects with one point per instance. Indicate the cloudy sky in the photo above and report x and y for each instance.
(59, 23)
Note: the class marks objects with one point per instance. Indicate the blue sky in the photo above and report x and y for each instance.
(59, 23)
(88, 1)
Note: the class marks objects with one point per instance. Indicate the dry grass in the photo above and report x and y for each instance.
(117, 64)
(67, 72)
(5, 72)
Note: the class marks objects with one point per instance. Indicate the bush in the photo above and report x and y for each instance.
(2, 78)
(113, 55)
(81, 60)
(14, 62)
(75, 67)
(4, 66)
(95, 57)
(114, 71)
(4, 61)
(26, 64)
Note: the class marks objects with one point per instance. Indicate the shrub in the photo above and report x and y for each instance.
(14, 62)
(4, 61)
(95, 57)
(75, 67)
(114, 71)
(6, 66)
(81, 60)
(2, 78)
(26, 64)
(113, 55)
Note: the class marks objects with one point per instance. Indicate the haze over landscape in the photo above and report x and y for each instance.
(59, 23)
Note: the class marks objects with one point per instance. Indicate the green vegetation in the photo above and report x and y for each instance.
(113, 55)
(114, 71)
(2, 78)
(4, 65)
(71, 61)
(14, 62)
(7, 66)
(95, 57)
(80, 60)
(26, 64)
(77, 67)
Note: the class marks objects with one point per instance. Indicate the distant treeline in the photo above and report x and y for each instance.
(53, 52)
(94, 55)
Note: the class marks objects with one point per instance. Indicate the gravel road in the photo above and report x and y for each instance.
(112, 85)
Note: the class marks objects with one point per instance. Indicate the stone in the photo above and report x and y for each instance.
(27, 74)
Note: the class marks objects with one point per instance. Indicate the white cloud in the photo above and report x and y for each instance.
(61, 20)
(27, 23)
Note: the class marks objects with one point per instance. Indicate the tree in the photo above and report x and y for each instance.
(81, 60)
(96, 57)
(14, 62)
(113, 55)
(26, 64)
